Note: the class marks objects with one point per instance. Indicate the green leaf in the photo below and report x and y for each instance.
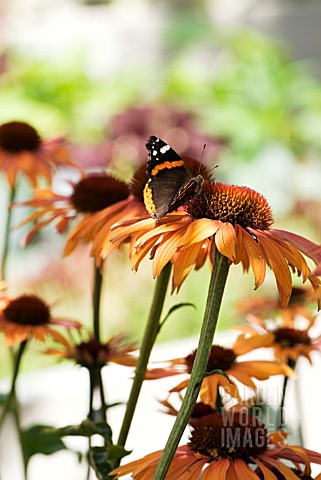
(41, 439)
(174, 308)
(98, 459)
(117, 452)
(217, 371)
(87, 428)
(103, 459)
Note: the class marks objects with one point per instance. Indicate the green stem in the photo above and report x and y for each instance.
(6, 243)
(102, 398)
(149, 338)
(281, 416)
(11, 402)
(94, 382)
(11, 398)
(16, 416)
(213, 304)
(98, 280)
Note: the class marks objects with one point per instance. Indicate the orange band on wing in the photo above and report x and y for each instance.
(162, 166)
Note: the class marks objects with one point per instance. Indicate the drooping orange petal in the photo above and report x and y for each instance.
(244, 345)
(217, 469)
(240, 252)
(160, 230)
(210, 384)
(286, 471)
(180, 386)
(184, 263)
(137, 465)
(165, 251)
(263, 369)
(135, 225)
(243, 470)
(199, 230)
(279, 267)
(256, 258)
(310, 249)
(140, 254)
(187, 468)
(244, 378)
(292, 255)
(225, 241)
(268, 475)
(203, 254)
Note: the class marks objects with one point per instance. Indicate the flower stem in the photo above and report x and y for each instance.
(213, 304)
(96, 384)
(6, 243)
(98, 280)
(292, 364)
(11, 398)
(149, 338)
(281, 416)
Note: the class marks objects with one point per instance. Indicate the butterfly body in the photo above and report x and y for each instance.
(170, 184)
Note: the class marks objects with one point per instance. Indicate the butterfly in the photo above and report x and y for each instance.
(170, 184)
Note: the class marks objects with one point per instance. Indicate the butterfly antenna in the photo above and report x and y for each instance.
(201, 160)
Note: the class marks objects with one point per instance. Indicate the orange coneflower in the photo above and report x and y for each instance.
(22, 150)
(225, 359)
(97, 199)
(90, 352)
(28, 316)
(290, 327)
(226, 446)
(237, 221)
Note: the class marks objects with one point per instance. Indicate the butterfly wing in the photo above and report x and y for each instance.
(167, 175)
(161, 191)
(159, 155)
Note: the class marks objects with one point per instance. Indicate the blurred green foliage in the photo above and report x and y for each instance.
(241, 85)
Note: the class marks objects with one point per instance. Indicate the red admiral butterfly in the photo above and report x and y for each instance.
(170, 184)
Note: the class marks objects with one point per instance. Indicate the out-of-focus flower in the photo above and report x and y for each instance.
(237, 221)
(268, 306)
(310, 210)
(290, 329)
(22, 150)
(225, 359)
(28, 316)
(127, 131)
(225, 446)
(98, 199)
(89, 352)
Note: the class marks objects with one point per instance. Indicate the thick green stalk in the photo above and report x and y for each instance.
(213, 304)
(149, 338)
(6, 242)
(98, 280)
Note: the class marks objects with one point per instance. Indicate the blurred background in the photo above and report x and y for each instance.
(241, 77)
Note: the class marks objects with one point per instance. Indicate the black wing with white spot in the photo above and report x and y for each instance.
(158, 153)
(170, 184)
